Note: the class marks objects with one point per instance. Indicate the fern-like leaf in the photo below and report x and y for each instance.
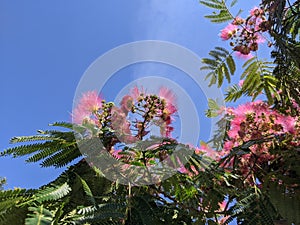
(220, 66)
(52, 147)
(258, 77)
(106, 213)
(233, 93)
(87, 190)
(10, 198)
(39, 216)
(51, 193)
(221, 13)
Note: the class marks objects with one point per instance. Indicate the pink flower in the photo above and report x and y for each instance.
(238, 21)
(116, 154)
(295, 104)
(287, 122)
(222, 205)
(166, 131)
(208, 151)
(256, 12)
(119, 122)
(121, 126)
(126, 103)
(170, 99)
(182, 169)
(135, 92)
(228, 145)
(241, 82)
(228, 31)
(80, 115)
(89, 103)
(243, 56)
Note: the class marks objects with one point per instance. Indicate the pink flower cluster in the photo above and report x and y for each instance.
(246, 34)
(85, 110)
(144, 110)
(257, 121)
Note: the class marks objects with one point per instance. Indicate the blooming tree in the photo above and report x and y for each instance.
(249, 176)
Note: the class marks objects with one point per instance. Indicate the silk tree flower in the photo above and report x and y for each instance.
(238, 21)
(288, 123)
(241, 55)
(80, 115)
(115, 153)
(228, 32)
(256, 12)
(127, 103)
(256, 121)
(208, 151)
(246, 35)
(89, 103)
(166, 130)
(136, 93)
(121, 126)
(170, 98)
(241, 82)
(294, 104)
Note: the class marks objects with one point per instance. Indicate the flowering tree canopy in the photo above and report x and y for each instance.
(250, 175)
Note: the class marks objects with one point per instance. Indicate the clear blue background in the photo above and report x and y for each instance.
(45, 47)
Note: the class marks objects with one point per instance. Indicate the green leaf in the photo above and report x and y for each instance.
(233, 3)
(233, 93)
(49, 194)
(213, 4)
(87, 190)
(220, 66)
(40, 216)
(231, 64)
(259, 78)
(221, 13)
(213, 108)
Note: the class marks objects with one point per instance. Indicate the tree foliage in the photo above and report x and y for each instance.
(250, 177)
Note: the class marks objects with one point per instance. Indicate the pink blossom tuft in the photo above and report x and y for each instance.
(89, 103)
(228, 32)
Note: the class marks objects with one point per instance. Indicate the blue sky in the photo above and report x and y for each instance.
(46, 46)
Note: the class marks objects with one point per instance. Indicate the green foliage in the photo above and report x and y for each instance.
(50, 193)
(284, 18)
(220, 65)
(82, 195)
(2, 183)
(252, 209)
(213, 108)
(258, 77)
(39, 216)
(9, 212)
(52, 147)
(87, 190)
(221, 13)
(287, 202)
(11, 198)
(106, 213)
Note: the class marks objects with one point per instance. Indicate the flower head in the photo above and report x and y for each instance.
(241, 82)
(127, 103)
(243, 56)
(256, 12)
(169, 97)
(228, 32)
(89, 103)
